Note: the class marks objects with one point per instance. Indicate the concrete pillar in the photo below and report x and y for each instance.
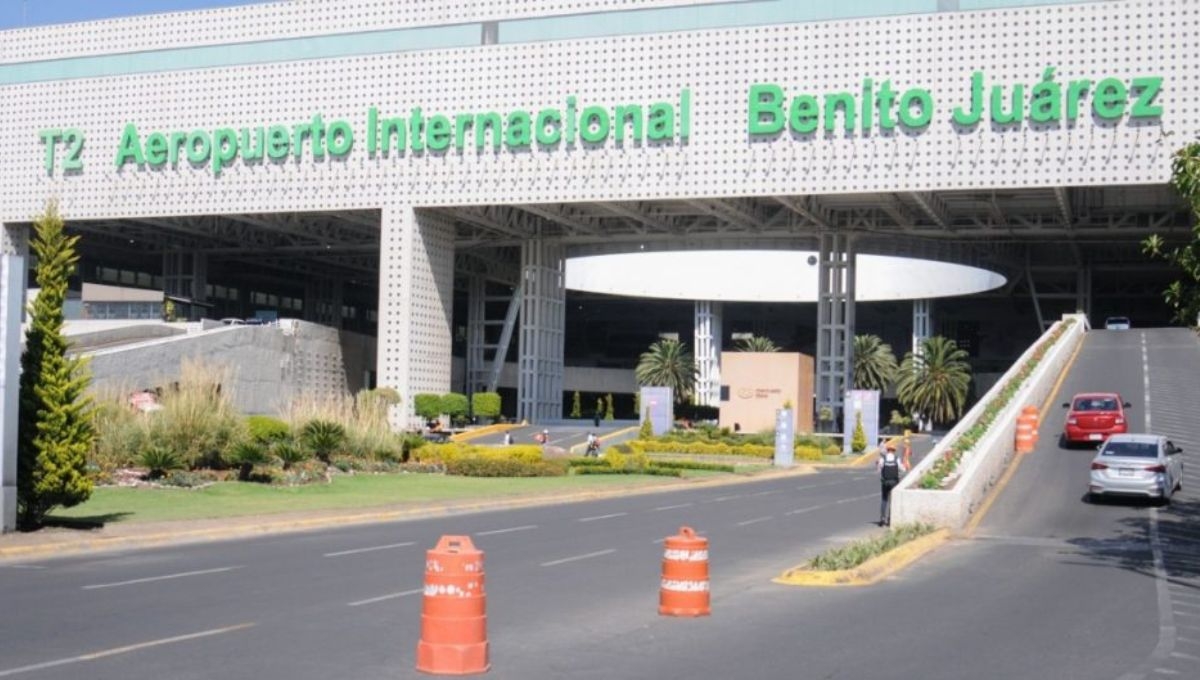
(543, 331)
(1083, 289)
(922, 323)
(476, 368)
(416, 296)
(14, 249)
(835, 320)
(707, 337)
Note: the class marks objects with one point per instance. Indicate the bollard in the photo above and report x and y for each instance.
(454, 613)
(684, 590)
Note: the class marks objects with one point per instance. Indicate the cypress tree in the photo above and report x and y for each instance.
(55, 430)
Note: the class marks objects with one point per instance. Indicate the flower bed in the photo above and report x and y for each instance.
(943, 472)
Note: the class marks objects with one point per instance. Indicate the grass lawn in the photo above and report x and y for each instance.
(230, 499)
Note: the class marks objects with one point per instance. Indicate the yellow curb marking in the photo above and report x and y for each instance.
(870, 572)
(977, 518)
(482, 432)
(624, 430)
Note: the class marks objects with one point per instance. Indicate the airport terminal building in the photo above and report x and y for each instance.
(445, 174)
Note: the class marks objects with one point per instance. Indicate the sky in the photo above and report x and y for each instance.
(19, 13)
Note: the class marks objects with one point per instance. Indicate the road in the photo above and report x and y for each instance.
(1048, 586)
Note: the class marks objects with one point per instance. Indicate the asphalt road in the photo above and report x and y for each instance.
(1049, 587)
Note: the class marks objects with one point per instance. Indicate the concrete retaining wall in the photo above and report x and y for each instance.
(981, 468)
(270, 365)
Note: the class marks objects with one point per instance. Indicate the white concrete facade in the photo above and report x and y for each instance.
(199, 78)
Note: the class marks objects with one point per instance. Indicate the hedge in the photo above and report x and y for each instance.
(722, 449)
(476, 466)
(446, 453)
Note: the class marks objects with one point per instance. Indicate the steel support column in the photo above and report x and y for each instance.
(707, 336)
(14, 248)
(185, 276)
(922, 323)
(476, 371)
(1083, 289)
(543, 326)
(323, 301)
(835, 320)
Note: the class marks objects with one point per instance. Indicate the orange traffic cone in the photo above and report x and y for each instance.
(1027, 430)
(454, 614)
(684, 590)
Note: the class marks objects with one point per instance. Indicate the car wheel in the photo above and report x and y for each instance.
(1092, 498)
(1063, 443)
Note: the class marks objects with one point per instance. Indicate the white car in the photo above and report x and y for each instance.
(1117, 323)
(1139, 465)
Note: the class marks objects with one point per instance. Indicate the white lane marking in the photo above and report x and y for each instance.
(801, 511)
(167, 577)
(576, 558)
(493, 532)
(1166, 614)
(598, 517)
(856, 498)
(373, 548)
(721, 499)
(672, 507)
(1146, 381)
(389, 596)
(23, 566)
(122, 650)
(756, 520)
(765, 493)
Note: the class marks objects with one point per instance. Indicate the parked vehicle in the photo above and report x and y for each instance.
(1094, 417)
(1138, 465)
(1117, 323)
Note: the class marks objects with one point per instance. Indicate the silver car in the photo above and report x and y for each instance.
(1145, 465)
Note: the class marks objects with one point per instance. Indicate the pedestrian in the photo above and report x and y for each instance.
(508, 439)
(890, 468)
(593, 446)
(596, 418)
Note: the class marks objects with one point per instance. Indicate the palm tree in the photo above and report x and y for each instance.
(874, 363)
(667, 364)
(756, 343)
(934, 383)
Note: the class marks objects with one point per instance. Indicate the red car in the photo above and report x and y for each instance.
(1094, 416)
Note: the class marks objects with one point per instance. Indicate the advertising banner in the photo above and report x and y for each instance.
(658, 405)
(865, 402)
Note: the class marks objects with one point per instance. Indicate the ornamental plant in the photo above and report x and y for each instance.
(576, 406)
(485, 404)
(428, 406)
(55, 429)
(608, 407)
(858, 441)
(949, 462)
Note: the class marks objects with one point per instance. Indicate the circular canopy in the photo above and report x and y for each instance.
(768, 276)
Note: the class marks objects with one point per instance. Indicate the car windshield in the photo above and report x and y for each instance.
(1096, 404)
(1131, 449)
(1118, 319)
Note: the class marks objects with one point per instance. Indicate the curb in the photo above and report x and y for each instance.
(89, 545)
(482, 432)
(870, 572)
(625, 430)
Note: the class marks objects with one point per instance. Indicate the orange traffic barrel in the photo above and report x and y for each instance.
(454, 613)
(684, 590)
(1027, 429)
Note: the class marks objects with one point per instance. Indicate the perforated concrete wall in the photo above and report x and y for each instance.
(938, 52)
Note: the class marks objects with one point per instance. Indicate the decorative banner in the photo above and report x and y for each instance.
(658, 404)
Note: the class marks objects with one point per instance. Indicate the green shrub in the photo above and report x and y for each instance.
(192, 479)
(652, 471)
(576, 406)
(455, 405)
(160, 460)
(447, 453)
(323, 438)
(693, 465)
(306, 472)
(410, 442)
(850, 556)
(475, 466)
(197, 419)
(858, 442)
(428, 406)
(245, 456)
(289, 454)
(586, 462)
(646, 431)
(608, 408)
(120, 436)
(485, 404)
(265, 429)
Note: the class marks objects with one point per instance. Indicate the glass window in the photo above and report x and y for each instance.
(1131, 449)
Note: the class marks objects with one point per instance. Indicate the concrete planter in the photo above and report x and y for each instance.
(982, 466)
